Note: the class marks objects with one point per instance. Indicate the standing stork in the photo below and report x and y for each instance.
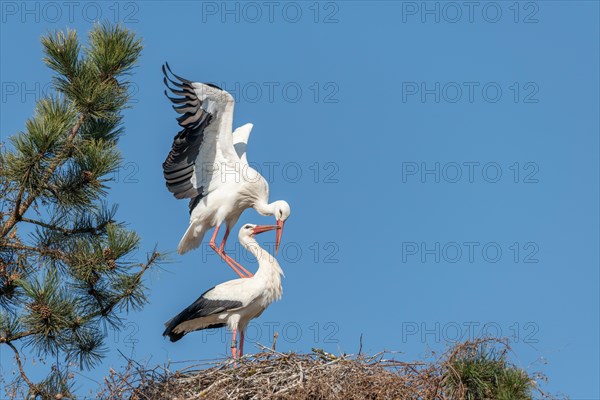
(206, 166)
(233, 303)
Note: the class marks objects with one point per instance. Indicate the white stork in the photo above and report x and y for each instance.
(205, 166)
(233, 303)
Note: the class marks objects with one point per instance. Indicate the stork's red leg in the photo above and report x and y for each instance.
(247, 273)
(222, 248)
(230, 261)
(234, 347)
(213, 245)
(241, 343)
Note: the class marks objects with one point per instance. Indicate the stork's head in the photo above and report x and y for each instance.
(248, 231)
(282, 213)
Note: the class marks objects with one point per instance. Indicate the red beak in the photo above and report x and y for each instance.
(280, 225)
(264, 228)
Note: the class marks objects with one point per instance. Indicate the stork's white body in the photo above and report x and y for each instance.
(225, 203)
(255, 294)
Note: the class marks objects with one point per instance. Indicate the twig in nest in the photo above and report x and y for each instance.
(275, 336)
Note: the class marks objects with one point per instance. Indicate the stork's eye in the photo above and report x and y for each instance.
(247, 227)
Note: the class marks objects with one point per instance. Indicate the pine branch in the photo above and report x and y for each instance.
(18, 336)
(42, 251)
(136, 279)
(32, 387)
(22, 206)
(94, 229)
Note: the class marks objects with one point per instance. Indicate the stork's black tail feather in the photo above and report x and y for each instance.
(173, 337)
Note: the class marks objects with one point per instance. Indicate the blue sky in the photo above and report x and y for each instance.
(441, 163)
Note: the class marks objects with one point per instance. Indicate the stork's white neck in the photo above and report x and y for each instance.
(268, 267)
(252, 246)
(264, 208)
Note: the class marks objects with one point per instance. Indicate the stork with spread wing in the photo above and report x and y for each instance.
(207, 164)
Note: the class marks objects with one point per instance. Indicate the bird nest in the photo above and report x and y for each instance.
(318, 375)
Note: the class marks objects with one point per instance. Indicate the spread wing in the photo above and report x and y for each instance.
(204, 145)
(240, 141)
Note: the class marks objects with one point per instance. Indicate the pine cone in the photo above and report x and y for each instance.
(44, 311)
(110, 258)
(107, 253)
(87, 176)
(111, 264)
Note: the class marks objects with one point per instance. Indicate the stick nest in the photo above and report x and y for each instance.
(318, 375)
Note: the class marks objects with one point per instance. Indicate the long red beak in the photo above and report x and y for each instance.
(264, 228)
(278, 235)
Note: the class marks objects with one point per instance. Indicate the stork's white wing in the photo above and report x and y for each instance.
(202, 151)
(204, 306)
(242, 290)
(240, 141)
